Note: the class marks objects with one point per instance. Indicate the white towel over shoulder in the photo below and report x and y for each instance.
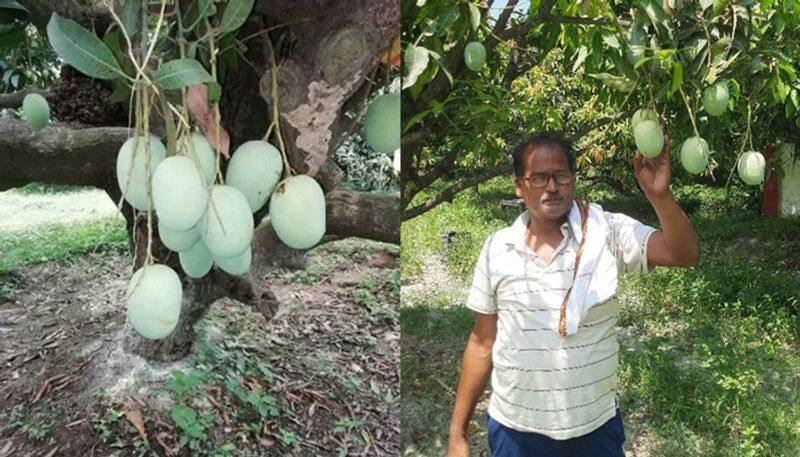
(596, 279)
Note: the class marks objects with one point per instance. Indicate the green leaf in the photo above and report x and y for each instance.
(612, 41)
(780, 90)
(131, 13)
(214, 92)
(583, 52)
(181, 383)
(677, 78)
(446, 20)
(82, 49)
(120, 94)
(643, 61)
(416, 118)
(11, 11)
(12, 37)
(615, 82)
(416, 60)
(114, 41)
(474, 15)
(235, 14)
(180, 73)
(198, 10)
(429, 27)
(656, 14)
(186, 419)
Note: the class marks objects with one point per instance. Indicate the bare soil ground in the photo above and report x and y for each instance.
(320, 378)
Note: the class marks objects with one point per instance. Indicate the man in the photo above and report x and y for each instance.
(554, 389)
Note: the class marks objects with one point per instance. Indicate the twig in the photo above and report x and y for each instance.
(741, 150)
(689, 111)
(289, 171)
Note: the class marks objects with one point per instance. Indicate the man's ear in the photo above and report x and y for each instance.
(517, 188)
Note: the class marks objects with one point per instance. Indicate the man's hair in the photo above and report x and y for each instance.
(540, 139)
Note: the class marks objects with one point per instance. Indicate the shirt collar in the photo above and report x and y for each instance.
(520, 227)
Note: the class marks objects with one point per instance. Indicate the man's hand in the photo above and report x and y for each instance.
(457, 447)
(476, 367)
(653, 174)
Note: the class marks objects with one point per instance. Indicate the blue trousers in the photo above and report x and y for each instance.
(606, 441)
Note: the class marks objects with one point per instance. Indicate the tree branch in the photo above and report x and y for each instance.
(450, 192)
(362, 214)
(58, 154)
(545, 15)
(559, 19)
(413, 186)
(503, 17)
(14, 100)
(61, 154)
(583, 130)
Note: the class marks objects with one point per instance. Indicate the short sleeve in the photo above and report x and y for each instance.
(481, 295)
(628, 240)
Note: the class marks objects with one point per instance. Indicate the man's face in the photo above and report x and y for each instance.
(553, 201)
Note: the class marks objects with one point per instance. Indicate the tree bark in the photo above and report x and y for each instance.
(376, 217)
(333, 56)
(58, 154)
(14, 100)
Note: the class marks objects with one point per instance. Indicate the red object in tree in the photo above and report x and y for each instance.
(772, 187)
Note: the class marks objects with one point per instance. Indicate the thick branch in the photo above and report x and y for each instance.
(505, 15)
(365, 215)
(63, 155)
(58, 154)
(545, 15)
(14, 101)
(615, 184)
(450, 192)
(349, 213)
(414, 186)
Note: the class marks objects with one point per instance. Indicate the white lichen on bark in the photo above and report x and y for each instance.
(313, 119)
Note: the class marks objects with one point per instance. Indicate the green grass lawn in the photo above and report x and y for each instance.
(709, 363)
(56, 242)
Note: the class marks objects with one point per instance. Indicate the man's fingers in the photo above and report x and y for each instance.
(637, 161)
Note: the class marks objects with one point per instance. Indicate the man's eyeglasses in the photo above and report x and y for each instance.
(541, 179)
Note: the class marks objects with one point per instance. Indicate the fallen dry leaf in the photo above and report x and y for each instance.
(266, 442)
(134, 416)
(6, 451)
(168, 451)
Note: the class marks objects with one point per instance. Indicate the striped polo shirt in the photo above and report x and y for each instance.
(541, 382)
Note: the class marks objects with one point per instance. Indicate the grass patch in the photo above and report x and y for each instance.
(36, 188)
(58, 242)
(434, 335)
(709, 360)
